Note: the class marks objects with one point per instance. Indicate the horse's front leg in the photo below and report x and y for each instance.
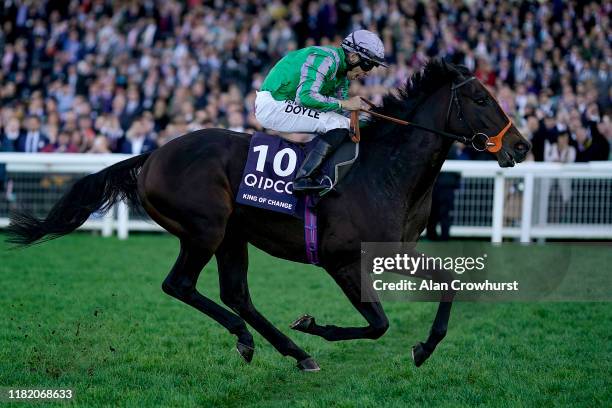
(422, 350)
(349, 280)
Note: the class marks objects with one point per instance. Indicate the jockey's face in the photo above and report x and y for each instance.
(356, 72)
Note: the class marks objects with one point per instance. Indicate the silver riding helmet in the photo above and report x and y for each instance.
(367, 44)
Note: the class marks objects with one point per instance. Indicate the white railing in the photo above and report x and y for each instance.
(522, 200)
(29, 181)
(529, 201)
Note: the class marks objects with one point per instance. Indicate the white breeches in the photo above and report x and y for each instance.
(288, 116)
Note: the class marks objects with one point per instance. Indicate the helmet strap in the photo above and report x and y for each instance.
(350, 65)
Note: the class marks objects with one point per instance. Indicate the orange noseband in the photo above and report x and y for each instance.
(495, 142)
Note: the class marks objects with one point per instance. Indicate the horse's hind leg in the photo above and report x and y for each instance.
(232, 261)
(349, 280)
(181, 284)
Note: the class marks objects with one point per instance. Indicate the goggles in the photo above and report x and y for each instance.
(366, 64)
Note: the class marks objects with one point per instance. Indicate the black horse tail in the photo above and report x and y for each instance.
(95, 192)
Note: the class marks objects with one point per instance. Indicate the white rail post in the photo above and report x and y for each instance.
(498, 208)
(527, 209)
(122, 220)
(107, 223)
(544, 191)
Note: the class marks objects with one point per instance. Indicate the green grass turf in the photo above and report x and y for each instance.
(88, 313)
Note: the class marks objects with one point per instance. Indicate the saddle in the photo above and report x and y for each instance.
(341, 161)
(337, 166)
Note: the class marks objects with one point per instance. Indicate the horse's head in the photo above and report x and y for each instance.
(474, 112)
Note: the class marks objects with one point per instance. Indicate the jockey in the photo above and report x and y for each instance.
(305, 91)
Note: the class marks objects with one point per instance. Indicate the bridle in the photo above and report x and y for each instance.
(492, 144)
(478, 140)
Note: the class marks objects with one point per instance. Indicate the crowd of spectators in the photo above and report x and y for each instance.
(127, 76)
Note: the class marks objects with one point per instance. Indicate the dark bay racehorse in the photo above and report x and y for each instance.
(188, 187)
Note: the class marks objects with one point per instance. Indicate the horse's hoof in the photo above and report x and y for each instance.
(419, 354)
(303, 323)
(245, 351)
(308, 365)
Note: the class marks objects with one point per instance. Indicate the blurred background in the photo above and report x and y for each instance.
(108, 76)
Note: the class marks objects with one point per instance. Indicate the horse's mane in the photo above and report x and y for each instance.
(402, 102)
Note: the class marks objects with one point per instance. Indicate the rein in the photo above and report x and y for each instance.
(478, 140)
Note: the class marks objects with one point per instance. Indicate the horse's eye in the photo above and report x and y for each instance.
(481, 101)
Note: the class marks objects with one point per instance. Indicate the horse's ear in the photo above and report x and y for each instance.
(463, 70)
(459, 72)
(450, 68)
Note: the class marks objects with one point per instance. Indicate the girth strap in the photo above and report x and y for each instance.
(310, 230)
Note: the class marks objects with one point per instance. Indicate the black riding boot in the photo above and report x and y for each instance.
(326, 145)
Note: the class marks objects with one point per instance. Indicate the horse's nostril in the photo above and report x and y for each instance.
(520, 146)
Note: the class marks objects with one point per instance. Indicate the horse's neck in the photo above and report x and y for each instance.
(405, 168)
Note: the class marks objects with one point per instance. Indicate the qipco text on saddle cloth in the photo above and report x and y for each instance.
(268, 174)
